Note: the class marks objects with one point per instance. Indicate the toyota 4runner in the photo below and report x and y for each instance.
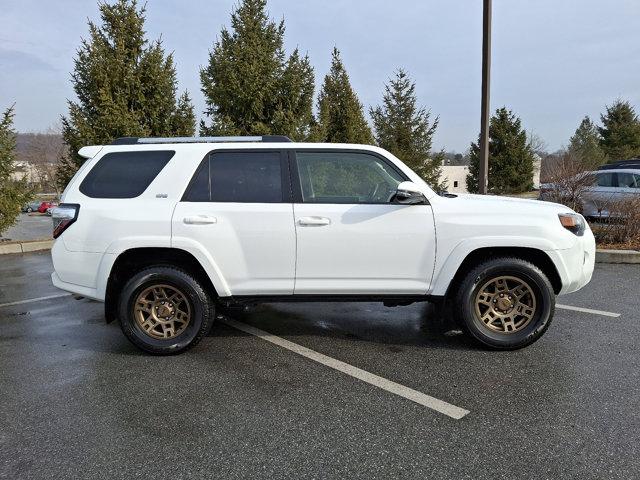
(164, 230)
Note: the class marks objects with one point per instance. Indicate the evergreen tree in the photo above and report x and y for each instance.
(510, 156)
(620, 131)
(249, 84)
(585, 145)
(125, 86)
(13, 193)
(340, 114)
(405, 130)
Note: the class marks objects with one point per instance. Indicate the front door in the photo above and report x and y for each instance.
(352, 238)
(238, 209)
(601, 194)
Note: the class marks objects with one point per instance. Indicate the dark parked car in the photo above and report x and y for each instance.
(31, 207)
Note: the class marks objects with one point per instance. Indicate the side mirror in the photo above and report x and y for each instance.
(408, 193)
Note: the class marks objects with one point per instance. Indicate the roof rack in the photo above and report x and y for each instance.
(238, 139)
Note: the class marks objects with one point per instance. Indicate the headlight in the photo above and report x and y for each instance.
(573, 222)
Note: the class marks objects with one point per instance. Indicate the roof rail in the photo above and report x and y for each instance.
(631, 163)
(238, 139)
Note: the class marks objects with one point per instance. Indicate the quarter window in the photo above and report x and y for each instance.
(346, 177)
(124, 174)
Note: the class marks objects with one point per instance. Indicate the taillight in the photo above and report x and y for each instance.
(63, 217)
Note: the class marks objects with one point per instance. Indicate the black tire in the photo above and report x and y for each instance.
(201, 309)
(465, 303)
(29, 209)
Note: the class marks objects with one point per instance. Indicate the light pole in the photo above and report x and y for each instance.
(483, 177)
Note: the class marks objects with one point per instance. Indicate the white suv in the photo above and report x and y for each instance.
(164, 229)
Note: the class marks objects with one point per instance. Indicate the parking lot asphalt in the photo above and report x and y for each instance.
(29, 226)
(78, 401)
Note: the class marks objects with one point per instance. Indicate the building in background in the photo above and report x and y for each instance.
(454, 172)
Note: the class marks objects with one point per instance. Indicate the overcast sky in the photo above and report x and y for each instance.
(554, 61)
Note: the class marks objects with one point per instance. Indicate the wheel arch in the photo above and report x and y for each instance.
(134, 259)
(537, 257)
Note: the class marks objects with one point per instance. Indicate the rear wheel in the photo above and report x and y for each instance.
(164, 310)
(505, 303)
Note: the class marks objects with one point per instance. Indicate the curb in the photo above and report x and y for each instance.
(25, 246)
(617, 256)
(602, 256)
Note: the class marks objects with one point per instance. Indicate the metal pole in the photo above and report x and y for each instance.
(483, 178)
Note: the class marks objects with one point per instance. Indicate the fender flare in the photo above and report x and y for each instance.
(448, 264)
(192, 247)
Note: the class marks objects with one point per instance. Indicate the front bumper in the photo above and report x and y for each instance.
(575, 265)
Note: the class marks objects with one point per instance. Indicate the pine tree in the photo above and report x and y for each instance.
(340, 113)
(125, 86)
(510, 156)
(249, 84)
(13, 193)
(584, 145)
(620, 131)
(405, 130)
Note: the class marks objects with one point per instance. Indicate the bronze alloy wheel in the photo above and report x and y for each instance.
(162, 311)
(505, 304)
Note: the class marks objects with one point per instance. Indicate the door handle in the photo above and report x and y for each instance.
(200, 220)
(314, 221)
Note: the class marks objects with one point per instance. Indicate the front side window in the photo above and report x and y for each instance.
(628, 180)
(245, 177)
(346, 177)
(124, 174)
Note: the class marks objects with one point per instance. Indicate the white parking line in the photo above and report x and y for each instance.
(370, 378)
(588, 310)
(39, 299)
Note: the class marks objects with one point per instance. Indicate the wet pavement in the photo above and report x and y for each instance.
(78, 401)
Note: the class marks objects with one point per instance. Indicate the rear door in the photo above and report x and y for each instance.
(238, 207)
(352, 239)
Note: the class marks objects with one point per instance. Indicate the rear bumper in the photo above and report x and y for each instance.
(83, 273)
(77, 289)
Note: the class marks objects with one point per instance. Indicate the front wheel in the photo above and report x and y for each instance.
(164, 310)
(505, 303)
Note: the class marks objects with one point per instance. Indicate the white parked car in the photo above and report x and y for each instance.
(163, 230)
(609, 187)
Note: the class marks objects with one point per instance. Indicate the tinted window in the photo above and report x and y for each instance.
(250, 177)
(200, 188)
(628, 180)
(346, 177)
(605, 180)
(124, 174)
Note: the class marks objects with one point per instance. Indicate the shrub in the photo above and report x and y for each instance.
(622, 225)
(568, 181)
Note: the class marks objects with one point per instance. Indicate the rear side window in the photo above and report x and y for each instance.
(605, 180)
(124, 174)
(245, 177)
